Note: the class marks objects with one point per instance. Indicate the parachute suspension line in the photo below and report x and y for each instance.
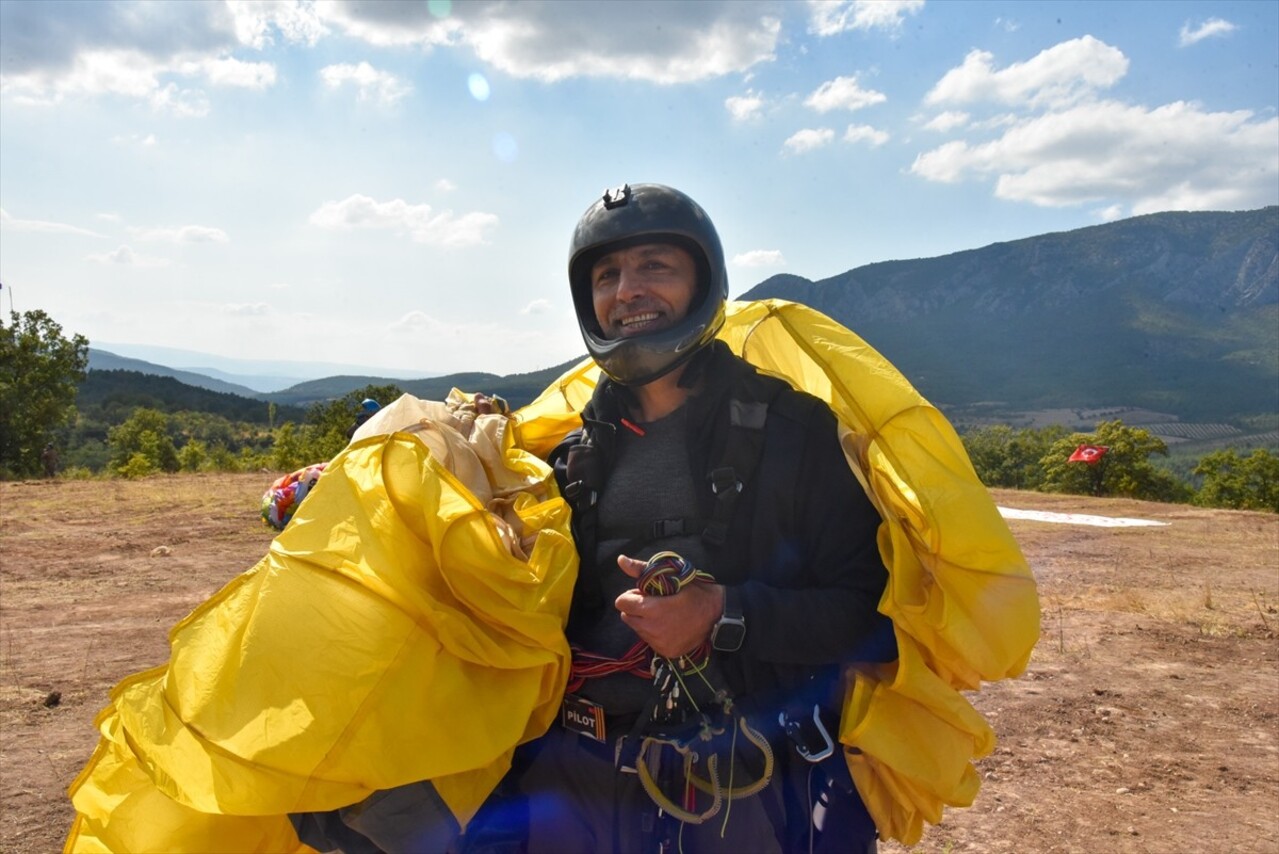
(665, 574)
(590, 665)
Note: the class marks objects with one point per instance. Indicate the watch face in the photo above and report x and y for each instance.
(729, 634)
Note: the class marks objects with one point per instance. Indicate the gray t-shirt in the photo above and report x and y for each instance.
(650, 480)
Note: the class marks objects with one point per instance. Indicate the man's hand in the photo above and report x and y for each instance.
(671, 625)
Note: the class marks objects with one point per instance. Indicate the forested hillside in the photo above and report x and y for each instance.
(111, 396)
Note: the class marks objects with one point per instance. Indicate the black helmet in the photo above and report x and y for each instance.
(648, 213)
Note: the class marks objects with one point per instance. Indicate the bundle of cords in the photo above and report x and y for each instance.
(665, 574)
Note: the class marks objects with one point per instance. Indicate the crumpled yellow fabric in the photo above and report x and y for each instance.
(962, 598)
(407, 625)
(332, 668)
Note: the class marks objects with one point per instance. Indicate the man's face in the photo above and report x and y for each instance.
(642, 289)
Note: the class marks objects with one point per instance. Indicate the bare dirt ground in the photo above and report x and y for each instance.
(1148, 720)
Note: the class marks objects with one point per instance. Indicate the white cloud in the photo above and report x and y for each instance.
(139, 50)
(831, 17)
(185, 103)
(1111, 213)
(247, 309)
(152, 52)
(759, 258)
(1008, 25)
(399, 24)
(444, 185)
(420, 222)
(417, 321)
(227, 71)
(808, 139)
(182, 234)
(867, 134)
(256, 22)
(744, 107)
(8, 223)
(1063, 74)
(843, 93)
(126, 257)
(537, 306)
(947, 121)
(557, 41)
(1174, 157)
(371, 83)
(1208, 29)
(132, 74)
(147, 141)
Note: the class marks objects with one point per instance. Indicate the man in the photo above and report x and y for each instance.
(689, 455)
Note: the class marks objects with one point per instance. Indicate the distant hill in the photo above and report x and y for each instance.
(1175, 312)
(111, 395)
(262, 375)
(517, 389)
(102, 360)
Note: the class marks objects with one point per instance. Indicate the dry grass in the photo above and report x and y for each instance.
(1147, 721)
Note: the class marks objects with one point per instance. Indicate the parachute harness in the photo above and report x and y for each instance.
(678, 722)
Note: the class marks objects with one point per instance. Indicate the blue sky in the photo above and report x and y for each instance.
(394, 184)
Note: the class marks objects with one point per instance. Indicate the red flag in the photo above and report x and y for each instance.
(1090, 454)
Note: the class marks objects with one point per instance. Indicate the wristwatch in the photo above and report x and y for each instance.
(730, 632)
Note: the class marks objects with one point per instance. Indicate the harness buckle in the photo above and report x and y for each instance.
(666, 528)
(579, 490)
(724, 479)
(811, 739)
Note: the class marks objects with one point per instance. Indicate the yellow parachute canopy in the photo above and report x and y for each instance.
(434, 563)
(429, 570)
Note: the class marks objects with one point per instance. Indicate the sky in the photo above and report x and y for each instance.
(395, 184)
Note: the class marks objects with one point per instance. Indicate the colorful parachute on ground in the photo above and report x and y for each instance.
(281, 500)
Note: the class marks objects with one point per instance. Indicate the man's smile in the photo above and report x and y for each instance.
(634, 324)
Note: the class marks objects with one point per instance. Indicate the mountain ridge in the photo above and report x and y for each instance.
(1173, 311)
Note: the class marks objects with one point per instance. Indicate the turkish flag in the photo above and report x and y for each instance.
(1090, 454)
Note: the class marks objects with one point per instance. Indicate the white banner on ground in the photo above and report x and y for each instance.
(1078, 519)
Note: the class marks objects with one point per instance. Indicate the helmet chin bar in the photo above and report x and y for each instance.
(643, 359)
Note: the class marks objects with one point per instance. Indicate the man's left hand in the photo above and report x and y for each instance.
(672, 625)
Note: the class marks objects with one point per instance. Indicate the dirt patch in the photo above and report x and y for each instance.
(1148, 720)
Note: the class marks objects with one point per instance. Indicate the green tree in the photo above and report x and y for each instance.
(1006, 457)
(193, 456)
(146, 432)
(327, 423)
(39, 371)
(222, 459)
(287, 451)
(1124, 470)
(1241, 483)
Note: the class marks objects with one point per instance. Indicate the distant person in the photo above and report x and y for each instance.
(49, 457)
(368, 407)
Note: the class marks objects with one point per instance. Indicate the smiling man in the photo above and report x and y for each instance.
(729, 569)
